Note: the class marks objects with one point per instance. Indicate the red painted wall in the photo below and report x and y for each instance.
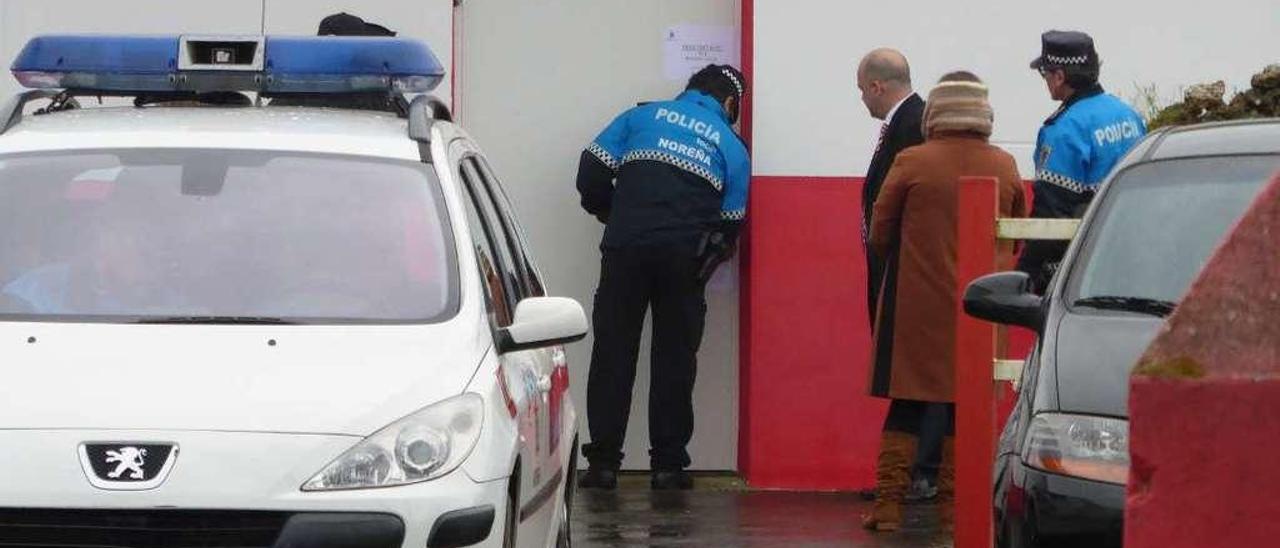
(1204, 402)
(807, 421)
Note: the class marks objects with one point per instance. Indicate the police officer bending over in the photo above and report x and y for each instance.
(1078, 145)
(669, 181)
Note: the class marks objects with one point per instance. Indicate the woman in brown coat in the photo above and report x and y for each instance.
(913, 229)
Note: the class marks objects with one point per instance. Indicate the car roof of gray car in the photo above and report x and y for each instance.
(1256, 136)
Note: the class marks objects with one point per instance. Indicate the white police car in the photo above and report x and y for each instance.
(226, 321)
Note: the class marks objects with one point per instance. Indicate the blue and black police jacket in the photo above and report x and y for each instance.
(1077, 148)
(666, 173)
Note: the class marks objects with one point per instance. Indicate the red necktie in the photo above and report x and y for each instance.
(884, 129)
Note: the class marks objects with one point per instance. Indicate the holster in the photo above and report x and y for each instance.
(714, 248)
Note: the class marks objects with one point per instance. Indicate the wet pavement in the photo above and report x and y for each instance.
(717, 516)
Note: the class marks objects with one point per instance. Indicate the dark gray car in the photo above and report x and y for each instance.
(1063, 458)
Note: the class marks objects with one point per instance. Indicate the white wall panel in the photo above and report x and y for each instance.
(539, 80)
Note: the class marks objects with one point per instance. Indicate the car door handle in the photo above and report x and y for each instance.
(544, 383)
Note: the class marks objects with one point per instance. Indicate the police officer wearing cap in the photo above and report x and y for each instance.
(1078, 145)
(669, 181)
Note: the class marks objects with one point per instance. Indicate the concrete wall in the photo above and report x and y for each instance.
(22, 19)
(538, 81)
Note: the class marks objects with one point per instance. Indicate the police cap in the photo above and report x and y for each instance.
(1065, 49)
(345, 24)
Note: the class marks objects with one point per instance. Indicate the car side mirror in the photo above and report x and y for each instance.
(541, 322)
(1005, 297)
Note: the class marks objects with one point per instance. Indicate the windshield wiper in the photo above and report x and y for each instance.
(1142, 305)
(218, 320)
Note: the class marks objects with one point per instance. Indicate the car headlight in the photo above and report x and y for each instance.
(421, 447)
(1095, 448)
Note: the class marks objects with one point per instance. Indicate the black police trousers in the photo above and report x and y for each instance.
(632, 281)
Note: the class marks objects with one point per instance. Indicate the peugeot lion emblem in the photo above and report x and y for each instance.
(127, 466)
(128, 459)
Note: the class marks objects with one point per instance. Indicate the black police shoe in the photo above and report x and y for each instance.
(671, 480)
(599, 478)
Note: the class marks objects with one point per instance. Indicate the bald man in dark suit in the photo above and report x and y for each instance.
(884, 78)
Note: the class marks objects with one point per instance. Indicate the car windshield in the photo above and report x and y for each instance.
(217, 236)
(1158, 226)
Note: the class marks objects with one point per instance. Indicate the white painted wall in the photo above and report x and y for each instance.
(809, 120)
(538, 81)
(21, 19)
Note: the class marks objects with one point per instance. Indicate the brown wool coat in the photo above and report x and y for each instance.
(913, 228)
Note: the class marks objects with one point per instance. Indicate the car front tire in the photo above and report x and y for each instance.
(564, 535)
(512, 521)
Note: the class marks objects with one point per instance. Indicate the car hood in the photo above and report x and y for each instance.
(1095, 354)
(348, 380)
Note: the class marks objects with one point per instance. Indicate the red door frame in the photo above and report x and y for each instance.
(747, 49)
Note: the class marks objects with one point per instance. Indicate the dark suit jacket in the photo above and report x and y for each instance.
(904, 131)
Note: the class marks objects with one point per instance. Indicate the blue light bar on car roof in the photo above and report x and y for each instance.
(125, 64)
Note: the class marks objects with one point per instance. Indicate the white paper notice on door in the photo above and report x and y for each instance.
(688, 48)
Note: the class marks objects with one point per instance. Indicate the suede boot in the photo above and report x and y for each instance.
(893, 478)
(947, 485)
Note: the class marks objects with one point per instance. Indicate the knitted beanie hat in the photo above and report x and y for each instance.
(958, 103)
